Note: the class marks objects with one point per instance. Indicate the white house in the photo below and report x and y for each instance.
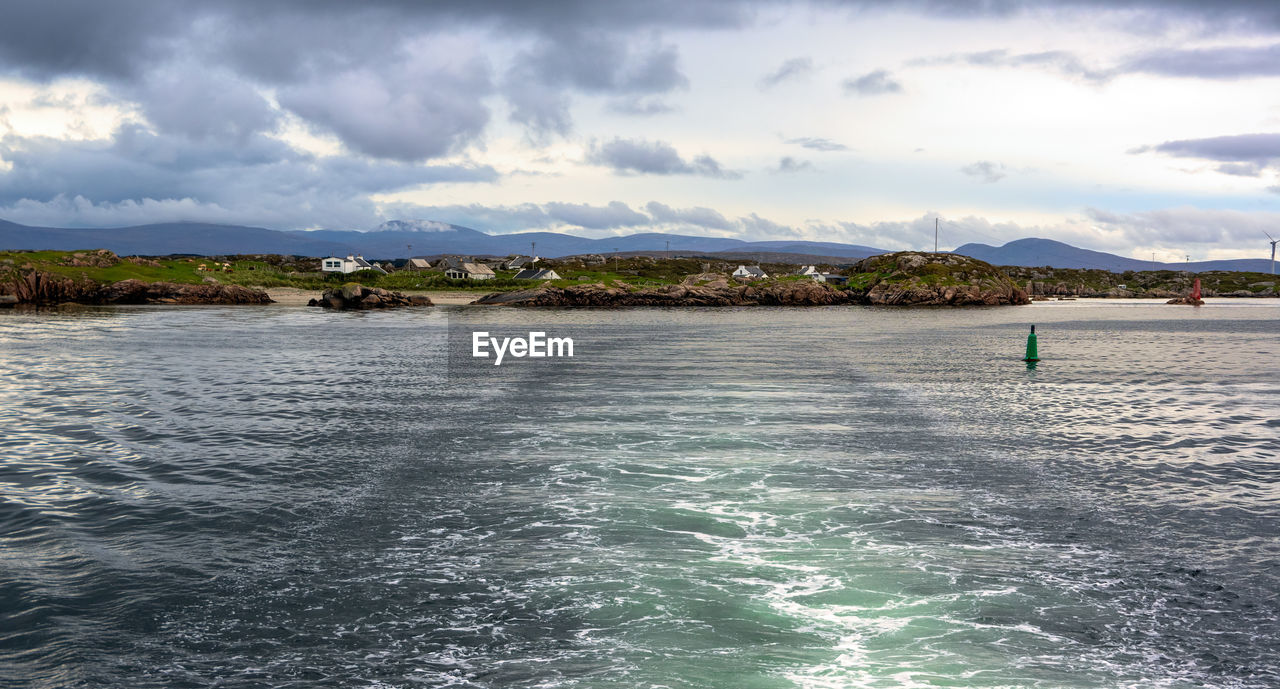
(470, 271)
(536, 274)
(350, 264)
(809, 270)
(753, 272)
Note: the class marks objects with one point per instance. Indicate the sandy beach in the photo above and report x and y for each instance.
(291, 296)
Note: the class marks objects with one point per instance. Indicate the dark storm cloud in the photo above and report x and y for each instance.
(537, 83)
(404, 112)
(872, 84)
(203, 105)
(400, 82)
(817, 143)
(641, 156)
(216, 182)
(794, 68)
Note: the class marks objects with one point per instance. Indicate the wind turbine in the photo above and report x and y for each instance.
(1273, 250)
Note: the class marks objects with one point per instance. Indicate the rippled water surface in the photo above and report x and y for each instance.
(744, 498)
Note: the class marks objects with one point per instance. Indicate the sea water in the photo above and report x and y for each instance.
(740, 498)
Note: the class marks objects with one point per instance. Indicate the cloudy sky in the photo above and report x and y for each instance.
(1132, 127)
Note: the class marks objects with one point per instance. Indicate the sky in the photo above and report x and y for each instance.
(1140, 128)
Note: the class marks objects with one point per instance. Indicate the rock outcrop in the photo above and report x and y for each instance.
(356, 296)
(101, 258)
(714, 293)
(914, 278)
(42, 288)
(138, 292)
(901, 279)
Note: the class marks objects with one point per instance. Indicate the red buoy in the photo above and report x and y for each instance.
(1195, 290)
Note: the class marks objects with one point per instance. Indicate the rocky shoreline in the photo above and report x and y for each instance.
(46, 289)
(895, 282)
(800, 293)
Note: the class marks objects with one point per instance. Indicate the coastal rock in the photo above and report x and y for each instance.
(714, 280)
(1188, 301)
(913, 278)
(138, 292)
(355, 296)
(794, 293)
(44, 289)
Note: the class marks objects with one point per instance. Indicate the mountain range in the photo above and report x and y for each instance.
(392, 239)
(1047, 252)
(400, 238)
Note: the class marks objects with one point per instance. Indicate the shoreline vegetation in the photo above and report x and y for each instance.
(905, 278)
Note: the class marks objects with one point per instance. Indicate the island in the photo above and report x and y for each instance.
(903, 278)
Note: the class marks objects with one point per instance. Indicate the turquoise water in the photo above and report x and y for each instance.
(832, 497)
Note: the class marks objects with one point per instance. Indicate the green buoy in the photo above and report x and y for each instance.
(1032, 353)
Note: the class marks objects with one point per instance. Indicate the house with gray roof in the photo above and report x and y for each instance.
(537, 274)
(350, 264)
(752, 272)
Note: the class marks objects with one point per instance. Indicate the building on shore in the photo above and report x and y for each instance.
(537, 274)
(350, 264)
(753, 272)
(470, 271)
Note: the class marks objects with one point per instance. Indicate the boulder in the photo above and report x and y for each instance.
(358, 297)
(352, 291)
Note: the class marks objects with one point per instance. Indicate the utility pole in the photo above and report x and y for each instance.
(615, 259)
(1153, 261)
(668, 249)
(533, 250)
(935, 235)
(410, 248)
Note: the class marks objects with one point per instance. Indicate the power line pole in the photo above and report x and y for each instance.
(668, 249)
(935, 235)
(533, 250)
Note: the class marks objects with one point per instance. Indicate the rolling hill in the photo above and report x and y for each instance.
(1047, 252)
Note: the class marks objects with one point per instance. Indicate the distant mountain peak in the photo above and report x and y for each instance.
(414, 226)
